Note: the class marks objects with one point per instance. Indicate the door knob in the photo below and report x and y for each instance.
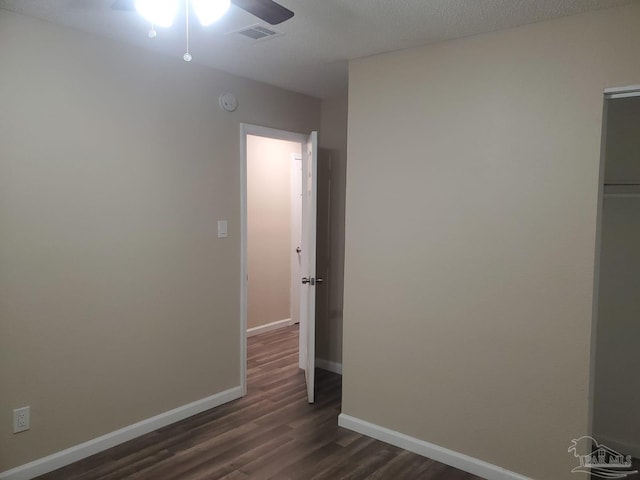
(305, 280)
(319, 280)
(298, 249)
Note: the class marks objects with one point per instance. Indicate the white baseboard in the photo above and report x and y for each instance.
(620, 446)
(334, 367)
(426, 449)
(97, 445)
(268, 327)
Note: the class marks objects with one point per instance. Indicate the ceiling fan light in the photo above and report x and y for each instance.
(208, 11)
(158, 12)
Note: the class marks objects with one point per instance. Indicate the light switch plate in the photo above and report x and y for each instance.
(222, 229)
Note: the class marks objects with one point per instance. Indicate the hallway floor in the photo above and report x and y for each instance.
(272, 433)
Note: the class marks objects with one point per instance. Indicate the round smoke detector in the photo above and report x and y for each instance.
(228, 102)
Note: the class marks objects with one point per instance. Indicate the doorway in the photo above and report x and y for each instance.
(268, 268)
(274, 216)
(615, 404)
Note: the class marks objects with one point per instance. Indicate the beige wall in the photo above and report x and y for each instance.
(470, 236)
(617, 392)
(269, 164)
(333, 137)
(117, 300)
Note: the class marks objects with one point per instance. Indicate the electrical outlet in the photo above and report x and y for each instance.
(21, 419)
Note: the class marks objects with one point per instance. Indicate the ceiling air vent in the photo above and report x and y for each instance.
(258, 32)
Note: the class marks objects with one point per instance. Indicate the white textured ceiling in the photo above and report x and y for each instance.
(311, 57)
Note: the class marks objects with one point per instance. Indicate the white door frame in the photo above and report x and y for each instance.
(622, 92)
(248, 129)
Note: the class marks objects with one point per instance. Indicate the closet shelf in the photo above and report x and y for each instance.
(622, 189)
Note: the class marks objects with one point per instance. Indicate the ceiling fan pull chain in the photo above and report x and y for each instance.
(152, 32)
(187, 56)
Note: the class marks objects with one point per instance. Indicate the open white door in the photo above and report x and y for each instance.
(308, 270)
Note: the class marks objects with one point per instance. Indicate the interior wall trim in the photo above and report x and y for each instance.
(268, 327)
(83, 450)
(334, 367)
(440, 454)
(622, 92)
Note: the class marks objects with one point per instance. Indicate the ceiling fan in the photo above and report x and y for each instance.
(163, 12)
(266, 10)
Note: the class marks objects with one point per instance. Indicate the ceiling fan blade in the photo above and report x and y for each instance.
(123, 5)
(267, 10)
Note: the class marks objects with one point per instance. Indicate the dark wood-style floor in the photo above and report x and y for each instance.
(272, 433)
